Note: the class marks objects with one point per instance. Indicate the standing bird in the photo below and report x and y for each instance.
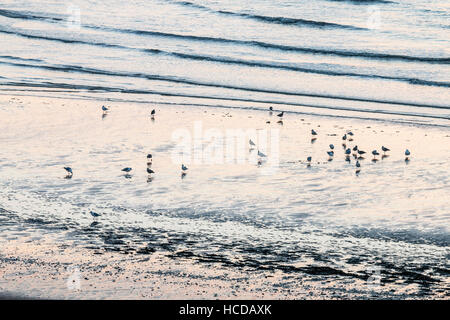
(260, 154)
(331, 146)
(348, 151)
(149, 159)
(94, 214)
(252, 144)
(331, 154)
(152, 114)
(183, 167)
(314, 134)
(127, 174)
(351, 135)
(344, 137)
(358, 167)
(384, 149)
(150, 171)
(69, 172)
(407, 154)
(355, 151)
(309, 161)
(375, 154)
(105, 109)
(360, 152)
(280, 114)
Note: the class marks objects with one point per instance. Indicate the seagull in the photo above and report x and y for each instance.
(385, 149)
(281, 114)
(183, 167)
(69, 170)
(375, 154)
(360, 152)
(105, 108)
(313, 132)
(348, 151)
(127, 169)
(331, 146)
(94, 214)
(149, 159)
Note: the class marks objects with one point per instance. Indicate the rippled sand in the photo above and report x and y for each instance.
(290, 230)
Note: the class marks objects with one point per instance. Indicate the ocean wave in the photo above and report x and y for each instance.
(27, 15)
(252, 43)
(267, 19)
(266, 45)
(80, 69)
(250, 63)
(274, 20)
(369, 2)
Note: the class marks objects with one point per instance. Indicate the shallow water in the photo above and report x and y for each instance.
(319, 221)
(378, 68)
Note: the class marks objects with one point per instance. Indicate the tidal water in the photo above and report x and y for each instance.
(381, 68)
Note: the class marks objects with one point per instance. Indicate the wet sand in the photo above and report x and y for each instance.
(37, 262)
(47, 270)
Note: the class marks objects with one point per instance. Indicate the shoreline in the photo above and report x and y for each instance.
(336, 114)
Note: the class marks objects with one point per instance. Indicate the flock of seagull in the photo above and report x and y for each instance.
(347, 137)
(127, 170)
(357, 153)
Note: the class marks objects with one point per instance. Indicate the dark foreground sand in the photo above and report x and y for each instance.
(47, 270)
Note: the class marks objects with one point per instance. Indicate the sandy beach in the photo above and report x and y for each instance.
(225, 230)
